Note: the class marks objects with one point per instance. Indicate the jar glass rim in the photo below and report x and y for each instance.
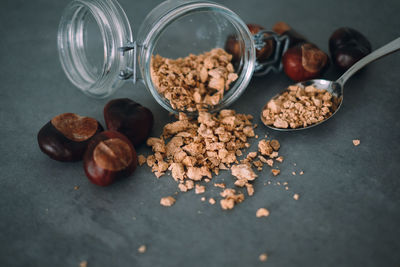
(115, 32)
(180, 11)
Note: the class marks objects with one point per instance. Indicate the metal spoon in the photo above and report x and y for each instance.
(336, 87)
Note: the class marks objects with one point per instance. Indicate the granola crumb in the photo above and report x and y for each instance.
(356, 142)
(220, 185)
(189, 184)
(142, 249)
(227, 204)
(211, 201)
(250, 189)
(200, 189)
(301, 173)
(263, 257)
(270, 162)
(183, 187)
(279, 159)
(264, 147)
(83, 264)
(262, 212)
(275, 144)
(243, 171)
(293, 173)
(167, 201)
(275, 172)
(203, 199)
(230, 198)
(286, 188)
(296, 196)
(76, 187)
(141, 160)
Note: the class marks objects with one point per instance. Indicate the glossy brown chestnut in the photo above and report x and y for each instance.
(233, 47)
(347, 46)
(109, 156)
(66, 136)
(304, 62)
(129, 118)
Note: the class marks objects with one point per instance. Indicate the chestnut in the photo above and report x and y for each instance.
(347, 46)
(66, 136)
(129, 118)
(304, 62)
(109, 156)
(232, 46)
(295, 38)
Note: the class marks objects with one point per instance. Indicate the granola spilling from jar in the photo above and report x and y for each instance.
(299, 107)
(195, 82)
(193, 150)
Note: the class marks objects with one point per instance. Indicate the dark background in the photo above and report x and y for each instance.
(349, 210)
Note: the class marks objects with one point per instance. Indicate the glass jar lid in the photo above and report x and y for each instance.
(89, 37)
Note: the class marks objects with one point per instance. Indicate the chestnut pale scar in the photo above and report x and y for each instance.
(113, 154)
(74, 127)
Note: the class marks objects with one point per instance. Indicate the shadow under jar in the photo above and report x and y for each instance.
(98, 53)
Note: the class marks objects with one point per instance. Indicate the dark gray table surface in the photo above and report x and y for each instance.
(349, 210)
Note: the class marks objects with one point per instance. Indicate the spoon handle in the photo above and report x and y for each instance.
(385, 50)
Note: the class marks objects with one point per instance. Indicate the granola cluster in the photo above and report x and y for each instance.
(299, 107)
(230, 198)
(243, 172)
(194, 82)
(195, 149)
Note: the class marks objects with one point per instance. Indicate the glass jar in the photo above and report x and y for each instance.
(98, 53)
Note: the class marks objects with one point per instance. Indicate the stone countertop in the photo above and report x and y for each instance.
(348, 213)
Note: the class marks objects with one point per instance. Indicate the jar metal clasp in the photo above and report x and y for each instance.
(129, 73)
(275, 63)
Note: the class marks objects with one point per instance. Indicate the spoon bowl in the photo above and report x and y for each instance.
(336, 87)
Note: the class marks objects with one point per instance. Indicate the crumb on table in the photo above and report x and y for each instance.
(167, 201)
(263, 257)
(356, 142)
(142, 249)
(262, 212)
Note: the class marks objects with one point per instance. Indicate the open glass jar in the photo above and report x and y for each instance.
(98, 53)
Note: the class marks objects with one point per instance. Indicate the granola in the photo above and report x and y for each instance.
(195, 82)
(230, 198)
(142, 249)
(262, 212)
(194, 149)
(167, 201)
(263, 257)
(356, 142)
(299, 107)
